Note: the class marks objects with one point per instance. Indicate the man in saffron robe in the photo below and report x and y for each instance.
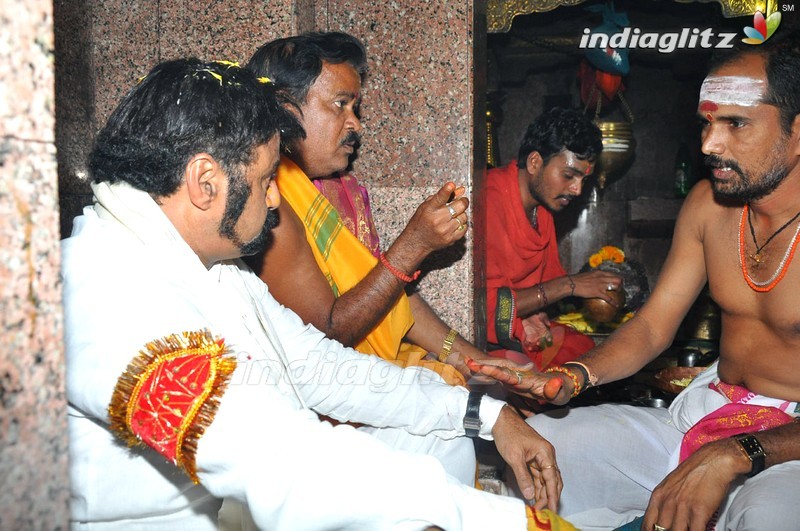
(726, 455)
(523, 271)
(341, 282)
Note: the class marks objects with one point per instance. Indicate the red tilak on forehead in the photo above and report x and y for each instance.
(708, 106)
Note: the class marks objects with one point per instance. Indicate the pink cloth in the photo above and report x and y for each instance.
(732, 419)
(351, 201)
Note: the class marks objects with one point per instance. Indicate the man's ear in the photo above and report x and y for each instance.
(533, 163)
(795, 138)
(203, 177)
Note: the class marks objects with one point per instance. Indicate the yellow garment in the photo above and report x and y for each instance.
(546, 520)
(345, 261)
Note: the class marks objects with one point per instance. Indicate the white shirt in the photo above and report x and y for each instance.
(129, 279)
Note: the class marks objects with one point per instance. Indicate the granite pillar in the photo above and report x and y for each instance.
(33, 439)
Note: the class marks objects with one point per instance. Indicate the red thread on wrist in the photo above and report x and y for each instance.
(396, 272)
(572, 376)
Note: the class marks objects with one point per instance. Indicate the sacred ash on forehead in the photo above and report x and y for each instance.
(733, 90)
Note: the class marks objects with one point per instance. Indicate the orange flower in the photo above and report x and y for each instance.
(607, 253)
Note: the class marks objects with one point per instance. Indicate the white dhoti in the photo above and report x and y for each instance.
(612, 457)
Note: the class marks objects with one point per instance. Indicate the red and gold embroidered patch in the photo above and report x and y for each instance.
(170, 393)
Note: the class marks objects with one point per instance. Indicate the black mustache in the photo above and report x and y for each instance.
(352, 138)
(715, 161)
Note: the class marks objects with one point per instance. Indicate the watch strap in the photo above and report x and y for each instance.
(472, 418)
(753, 450)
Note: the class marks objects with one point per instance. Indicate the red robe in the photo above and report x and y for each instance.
(519, 256)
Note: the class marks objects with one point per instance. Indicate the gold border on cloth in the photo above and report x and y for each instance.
(169, 393)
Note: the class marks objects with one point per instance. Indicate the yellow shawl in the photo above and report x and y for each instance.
(345, 261)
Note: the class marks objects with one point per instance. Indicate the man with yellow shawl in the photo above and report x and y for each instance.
(341, 282)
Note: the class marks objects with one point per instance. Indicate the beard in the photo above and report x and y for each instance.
(538, 194)
(259, 243)
(747, 189)
(238, 194)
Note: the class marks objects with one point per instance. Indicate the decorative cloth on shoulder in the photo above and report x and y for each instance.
(169, 394)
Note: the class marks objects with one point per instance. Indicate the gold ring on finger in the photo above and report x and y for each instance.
(451, 210)
(657, 527)
(549, 466)
(461, 226)
(519, 376)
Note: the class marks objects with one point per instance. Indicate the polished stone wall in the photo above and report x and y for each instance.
(417, 108)
(33, 439)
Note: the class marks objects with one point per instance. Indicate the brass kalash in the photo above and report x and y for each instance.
(619, 147)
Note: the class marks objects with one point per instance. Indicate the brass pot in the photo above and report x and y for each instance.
(619, 146)
(603, 312)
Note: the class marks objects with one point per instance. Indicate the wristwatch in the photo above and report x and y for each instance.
(754, 451)
(472, 419)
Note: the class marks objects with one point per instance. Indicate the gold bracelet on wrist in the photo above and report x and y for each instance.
(447, 346)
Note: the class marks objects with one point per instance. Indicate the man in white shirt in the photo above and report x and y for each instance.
(174, 343)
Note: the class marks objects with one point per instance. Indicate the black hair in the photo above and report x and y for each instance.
(781, 55)
(184, 107)
(557, 130)
(294, 63)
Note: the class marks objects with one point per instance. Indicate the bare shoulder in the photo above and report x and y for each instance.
(705, 214)
(291, 271)
(288, 249)
(289, 234)
(700, 203)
